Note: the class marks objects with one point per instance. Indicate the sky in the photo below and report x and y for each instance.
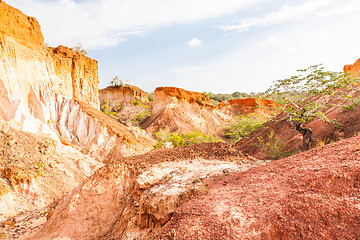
(203, 45)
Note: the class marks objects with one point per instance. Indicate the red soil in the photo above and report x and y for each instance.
(312, 195)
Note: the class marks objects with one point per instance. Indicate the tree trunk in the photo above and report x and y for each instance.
(307, 136)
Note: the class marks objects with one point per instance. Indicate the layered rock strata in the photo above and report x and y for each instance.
(55, 90)
(183, 111)
(245, 106)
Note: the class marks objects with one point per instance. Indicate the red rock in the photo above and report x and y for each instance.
(354, 68)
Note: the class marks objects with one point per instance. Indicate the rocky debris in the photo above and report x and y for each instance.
(353, 68)
(183, 111)
(312, 195)
(23, 224)
(35, 170)
(245, 106)
(139, 194)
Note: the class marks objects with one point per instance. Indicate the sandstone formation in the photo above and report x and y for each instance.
(133, 198)
(37, 171)
(183, 111)
(78, 74)
(354, 68)
(54, 91)
(245, 106)
(290, 140)
(126, 100)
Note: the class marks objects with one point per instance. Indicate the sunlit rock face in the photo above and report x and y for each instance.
(246, 106)
(354, 68)
(126, 100)
(79, 74)
(183, 111)
(53, 90)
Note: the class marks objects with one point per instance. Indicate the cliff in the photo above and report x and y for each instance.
(354, 68)
(78, 73)
(183, 111)
(55, 90)
(122, 94)
(52, 93)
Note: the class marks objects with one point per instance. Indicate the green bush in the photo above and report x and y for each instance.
(275, 147)
(241, 126)
(141, 116)
(179, 140)
(136, 103)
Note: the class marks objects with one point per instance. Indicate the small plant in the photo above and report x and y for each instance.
(117, 107)
(116, 82)
(40, 169)
(159, 144)
(141, 116)
(135, 103)
(274, 146)
(105, 108)
(79, 49)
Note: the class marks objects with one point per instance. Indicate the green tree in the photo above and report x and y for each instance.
(241, 126)
(116, 82)
(306, 96)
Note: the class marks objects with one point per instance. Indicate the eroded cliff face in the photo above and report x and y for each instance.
(133, 198)
(122, 94)
(126, 100)
(246, 106)
(183, 111)
(354, 68)
(78, 73)
(54, 91)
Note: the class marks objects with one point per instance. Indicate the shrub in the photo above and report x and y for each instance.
(79, 49)
(242, 126)
(136, 103)
(274, 146)
(179, 140)
(141, 116)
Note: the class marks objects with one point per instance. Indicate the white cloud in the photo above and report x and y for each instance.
(194, 42)
(309, 8)
(104, 23)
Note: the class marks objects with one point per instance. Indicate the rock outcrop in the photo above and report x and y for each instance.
(137, 195)
(183, 111)
(52, 93)
(353, 68)
(245, 106)
(36, 171)
(55, 90)
(312, 195)
(126, 101)
(78, 74)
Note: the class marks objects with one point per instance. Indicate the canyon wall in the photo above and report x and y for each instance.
(126, 101)
(55, 90)
(183, 111)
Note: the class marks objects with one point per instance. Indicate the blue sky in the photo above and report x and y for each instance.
(203, 45)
